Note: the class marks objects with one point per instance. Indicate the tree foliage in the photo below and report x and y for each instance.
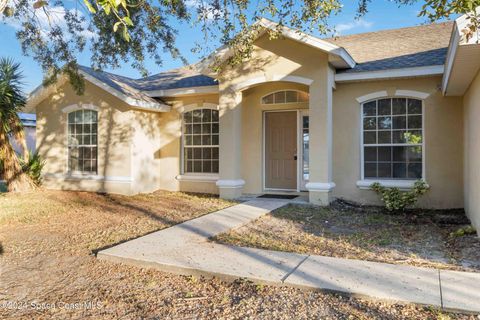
(53, 32)
(12, 100)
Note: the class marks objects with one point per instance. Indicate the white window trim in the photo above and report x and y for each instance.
(372, 96)
(67, 110)
(300, 159)
(198, 177)
(195, 176)
(76, 107)
(195, 106)
(402, 184)
(412, 94)
(283, 90)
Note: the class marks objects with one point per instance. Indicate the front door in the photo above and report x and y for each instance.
(281, 150)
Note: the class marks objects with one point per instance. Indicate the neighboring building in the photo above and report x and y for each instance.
(29, 124)
(323, 116)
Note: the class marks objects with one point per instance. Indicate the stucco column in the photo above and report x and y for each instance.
(320, 184)
(230, 184)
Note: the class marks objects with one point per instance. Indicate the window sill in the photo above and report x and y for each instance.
(198, 177)
(401, 184)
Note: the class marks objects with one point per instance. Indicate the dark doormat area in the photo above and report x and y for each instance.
(278, 196)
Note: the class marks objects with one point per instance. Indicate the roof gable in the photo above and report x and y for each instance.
(338, 56)
(120, 87)
(409, 47)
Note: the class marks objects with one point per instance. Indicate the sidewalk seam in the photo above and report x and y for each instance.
(440, 287)
(294, 269)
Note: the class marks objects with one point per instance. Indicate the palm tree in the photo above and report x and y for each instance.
(12, 100)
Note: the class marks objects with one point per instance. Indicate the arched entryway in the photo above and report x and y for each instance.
(275, 133)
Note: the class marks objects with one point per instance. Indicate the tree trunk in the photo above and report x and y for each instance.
(15, 178)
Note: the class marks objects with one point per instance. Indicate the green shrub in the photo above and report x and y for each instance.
(468, 230)
(395, 199)
(34, 167)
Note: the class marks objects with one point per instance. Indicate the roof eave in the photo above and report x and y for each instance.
(182, 91)
(426, 71)
(42, 92)
(457, 40)
(134, 103)
(338, 56)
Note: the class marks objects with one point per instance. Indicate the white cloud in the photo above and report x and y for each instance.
(204, 10)
(355, 24)
(49, 18)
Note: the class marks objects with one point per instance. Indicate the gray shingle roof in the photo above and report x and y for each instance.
(124, 85)
(418, 46)
(175, 79)
(172, 79)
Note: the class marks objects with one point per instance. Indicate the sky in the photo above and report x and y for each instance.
(382, 15)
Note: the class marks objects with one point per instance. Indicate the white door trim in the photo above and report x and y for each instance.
(300, 181)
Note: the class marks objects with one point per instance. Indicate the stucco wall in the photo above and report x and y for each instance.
(138, 151)
(145, 146)
(443, 120)
(114, 140)
(471, 103)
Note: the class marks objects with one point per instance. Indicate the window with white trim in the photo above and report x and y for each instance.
(285, 96)
(200, 141)
(82, 142)
(392, 136)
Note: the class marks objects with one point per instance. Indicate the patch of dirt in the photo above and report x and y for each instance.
(48, 271)
(416, 237)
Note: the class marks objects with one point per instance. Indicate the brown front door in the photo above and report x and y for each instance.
(281, 150)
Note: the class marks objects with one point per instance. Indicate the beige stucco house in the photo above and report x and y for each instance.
(325, 117)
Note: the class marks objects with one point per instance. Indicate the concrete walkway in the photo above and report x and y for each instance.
(185, 249)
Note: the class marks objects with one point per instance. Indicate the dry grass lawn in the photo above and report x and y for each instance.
(421, 238)
(48, 269)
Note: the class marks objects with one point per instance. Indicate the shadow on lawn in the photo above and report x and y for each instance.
(344, 230)
(152, 213)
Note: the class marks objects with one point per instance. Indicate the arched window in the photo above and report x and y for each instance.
(285, 96)
(200, 141)
(82, 141)
(392, 139)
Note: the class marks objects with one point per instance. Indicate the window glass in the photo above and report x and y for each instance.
(82, 141)
(200, 141)
(306, 147)
(286, 96)
(393, 138)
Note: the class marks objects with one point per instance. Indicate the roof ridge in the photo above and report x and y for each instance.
(387, 30)
(106, 72)
(170, 71)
